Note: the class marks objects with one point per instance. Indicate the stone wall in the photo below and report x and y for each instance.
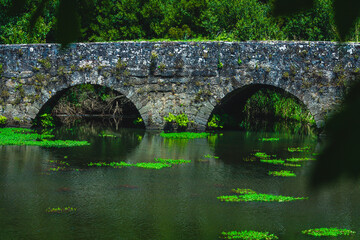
(163, 77)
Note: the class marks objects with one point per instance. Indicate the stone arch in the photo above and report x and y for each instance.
(242, 93)
(49, 98)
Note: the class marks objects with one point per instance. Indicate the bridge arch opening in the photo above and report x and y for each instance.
(92, 103)
(261, 107)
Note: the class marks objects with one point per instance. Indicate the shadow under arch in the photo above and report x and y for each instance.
(234, 102)
(129, 110)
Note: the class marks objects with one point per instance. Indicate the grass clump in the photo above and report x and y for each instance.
(185, 135)
(299, 159)
(248, 235)
(102, 134)
(172, 161)
(282, 173)
(22, 136)
(272, 161)
(299, 149)
(269, 139)
(329, 232)
(210, 156)
(60, 210)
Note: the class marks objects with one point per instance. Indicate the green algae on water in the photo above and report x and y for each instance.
(329, 232)
(269, 139)
(248, 235)
(147, 165)
(299, 159)
(272, 161)
(299, 149)
(185, 135)
(210, 156)
(291, 165)
(243, 191)
(282, 173)
(261, 155)
(60, 210)
(22, 136)
(172, 161)
(248, 195)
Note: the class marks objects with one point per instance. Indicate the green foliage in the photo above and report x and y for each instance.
(328, 232)
(269, 139)
(243, 191)
(299, 159)
(275, 105)
(248, 235)
(210, 156)
(282, 173)
(170, 118)
(22, 136)
(181, 120)
(147, 165)
(185, 135)
(3, 120)
(258, 197)
(261, 155)
(299, 149)
(215, 122)
(137, 121)
(46, 121)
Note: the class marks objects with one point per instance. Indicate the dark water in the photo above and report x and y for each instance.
(170, 203)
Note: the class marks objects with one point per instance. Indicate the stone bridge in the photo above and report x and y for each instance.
(176, 77)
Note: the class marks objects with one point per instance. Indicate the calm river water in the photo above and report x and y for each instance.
(171, 203)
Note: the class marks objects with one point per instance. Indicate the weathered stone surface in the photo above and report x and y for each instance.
(178, 77)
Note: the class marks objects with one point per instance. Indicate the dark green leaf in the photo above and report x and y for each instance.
(288, 7)
(68, 24)
(346, 14)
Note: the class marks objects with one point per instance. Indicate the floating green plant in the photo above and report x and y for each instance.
(282, 173)
(210, 156)
(172, 161)
(299, 159)
(299, 149)
(272, 161)
(329, 232)
(261, 155)
(186, 135)
(158, 165)
(59, 162)
(248, 235)
(22, 136)
(102, 134)
(269, 139)
(291, 165)
(243, 191)
(60, 210)
(56, 169)
(249, 195)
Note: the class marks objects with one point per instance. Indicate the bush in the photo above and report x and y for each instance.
(3, 120)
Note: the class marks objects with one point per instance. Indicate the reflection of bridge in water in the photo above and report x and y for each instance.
(177, 77)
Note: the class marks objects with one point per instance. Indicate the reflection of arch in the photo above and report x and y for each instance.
(234, 101)
(46, 106)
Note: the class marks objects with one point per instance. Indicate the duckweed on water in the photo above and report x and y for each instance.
(269, 139)
(248, 235)
(291, 165)
(249, 195)
(272, 161)
(60, 210)
(299, 159)
(282, 173)
(299, 149)
(261, 155)
(210, 156)
(158, 165)
(22, 136)
(329, 232)
(172, 161)
(58, 162)
(243, 191)
(186, 135)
